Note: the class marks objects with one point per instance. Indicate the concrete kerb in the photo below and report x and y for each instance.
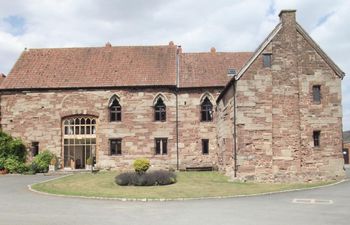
(174, 199)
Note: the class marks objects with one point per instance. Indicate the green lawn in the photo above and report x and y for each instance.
(189, 185)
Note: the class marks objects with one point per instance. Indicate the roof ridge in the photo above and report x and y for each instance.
(245, 52)
(102, 47)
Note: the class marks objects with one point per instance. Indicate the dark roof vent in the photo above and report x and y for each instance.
(231, 72)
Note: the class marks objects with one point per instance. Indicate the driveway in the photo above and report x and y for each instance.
(19, 206)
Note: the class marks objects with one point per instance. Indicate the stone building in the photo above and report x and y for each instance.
(270, 115)
(280, 117)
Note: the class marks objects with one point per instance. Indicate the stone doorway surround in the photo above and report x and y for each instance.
(78, 141)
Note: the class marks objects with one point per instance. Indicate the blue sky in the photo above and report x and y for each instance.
(227, 25)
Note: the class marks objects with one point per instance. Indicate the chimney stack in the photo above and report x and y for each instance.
(179, 49)
(287, 16)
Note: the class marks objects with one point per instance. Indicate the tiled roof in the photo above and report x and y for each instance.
(209, 69)
(94, 67)
(120, 66)
(346, 136)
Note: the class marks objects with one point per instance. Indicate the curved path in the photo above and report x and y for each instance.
(19, 206)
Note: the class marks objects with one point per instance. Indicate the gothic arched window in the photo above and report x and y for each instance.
(206, 110)
(160, 110)
(115, 111)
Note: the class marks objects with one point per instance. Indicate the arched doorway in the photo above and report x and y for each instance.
(79, 141)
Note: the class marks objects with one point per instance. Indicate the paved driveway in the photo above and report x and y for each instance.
(18, 206)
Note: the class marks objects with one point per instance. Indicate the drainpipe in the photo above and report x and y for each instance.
(177, 129)
(177, 104)
(234, 128)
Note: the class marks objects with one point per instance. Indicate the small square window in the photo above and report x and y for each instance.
(316, 94)
(115, 146)
(316, 137)
(161, 146)
(267, 60)
(205, 146)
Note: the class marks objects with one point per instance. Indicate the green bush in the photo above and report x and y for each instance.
(42, 161)
(14, 165)
(125, 179)
(141, 165)
(159, 177)
(11, 147)
(2, 163)
(33, 168)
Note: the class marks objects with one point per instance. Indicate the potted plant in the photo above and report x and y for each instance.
(88, 164)
(53, 164)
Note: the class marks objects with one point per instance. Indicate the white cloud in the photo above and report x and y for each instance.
(196, 25)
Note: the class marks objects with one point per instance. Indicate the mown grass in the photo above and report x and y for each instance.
(189, 185)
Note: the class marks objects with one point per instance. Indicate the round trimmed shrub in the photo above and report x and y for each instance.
(125, 179)
(141, 165)
(163, 177)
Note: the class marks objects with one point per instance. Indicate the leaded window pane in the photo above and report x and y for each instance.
(206, 110)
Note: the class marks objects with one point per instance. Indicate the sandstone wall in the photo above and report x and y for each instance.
(326, 160)
(37, 116)
(276, 117)
(192, 130)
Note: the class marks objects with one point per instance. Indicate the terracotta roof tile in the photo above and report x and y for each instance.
(209, 69)
(93, 67)
(120, 66)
